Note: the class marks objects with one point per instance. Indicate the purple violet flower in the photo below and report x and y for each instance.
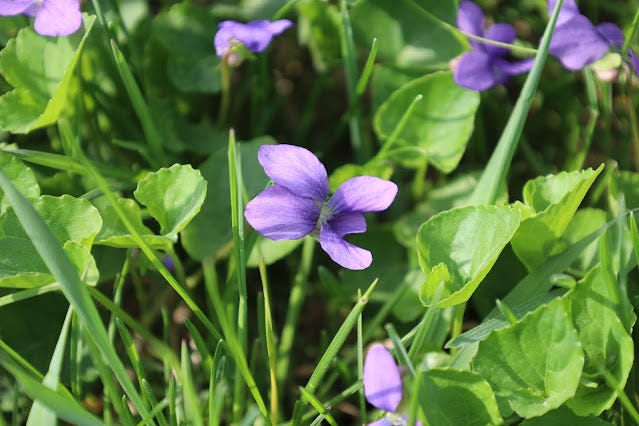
(485, 67)
(52, 17)
(255, 35)
(298, 203)
(576, 42)
(383, 385)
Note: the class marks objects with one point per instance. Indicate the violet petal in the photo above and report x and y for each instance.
(255, 35)
(475, 71)
(348, 223)
(612, 33)
(296, 168)
(363, 194)
(568, 10)
(341, 251)
(504, 33)
(58, 17)
(279, 214)
(577, 43)
(470, 19)
(382, 381)
(515, 68)
(15, 7)
(634, 60)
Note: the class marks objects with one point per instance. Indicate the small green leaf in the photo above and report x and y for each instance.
(554, 199)
(606, 343)
(22, 177)
(467, 241)
(456, 397)
(319, 30)
(115, 234)
(41, 70)
(173, 196)
(534, 365)
(440, 124)
(70, 219)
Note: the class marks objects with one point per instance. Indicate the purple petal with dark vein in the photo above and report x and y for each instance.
(634, 60)
(382, 381)
(58, 18)
(577, 43)
(470, 19)
(503, 33)
(11, 8)
(612, 33)
(348, 223)
(363, 194)
(515, 68)
(296, 168)
(341, 251)
(568, 10)
(475, 71)
(279, 214)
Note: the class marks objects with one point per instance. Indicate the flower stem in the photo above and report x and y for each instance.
(295, 303)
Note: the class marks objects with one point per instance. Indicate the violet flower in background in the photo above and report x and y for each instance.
(485, 67)
(255, 35)
(576, 42)
(52, 17)
(383, 385)
(298, 203)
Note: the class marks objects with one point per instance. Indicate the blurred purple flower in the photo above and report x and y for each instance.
(52, 17)
(634, 60)
(298, 203)
(485, 67)
(576, 42)
(383, 385)
(255, 35)
(167, 261)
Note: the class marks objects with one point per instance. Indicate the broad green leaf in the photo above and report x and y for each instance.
(584, 222)
(65, 273)
(20, 265)
(467, 242)
(186, 32)
(456, 397)
(22, 177)
(408, 34)
(173, 196)
(115, 234)
(385, 80)
(440, 124)
(605, 342)
(210, 231)
(41, 70)
(627, 183)
(69, 218)
(553, 199)
(534, 365)
(319, 30)
(564, 416)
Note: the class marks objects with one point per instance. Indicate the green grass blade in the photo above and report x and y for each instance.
(319, 407)
(487, 189)
(73, 288)
(237, 224)
(65, 408)
(156, 150)
(17, 296)
(270, 343)
(330, 354)
(192, 413)
(40, 415)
